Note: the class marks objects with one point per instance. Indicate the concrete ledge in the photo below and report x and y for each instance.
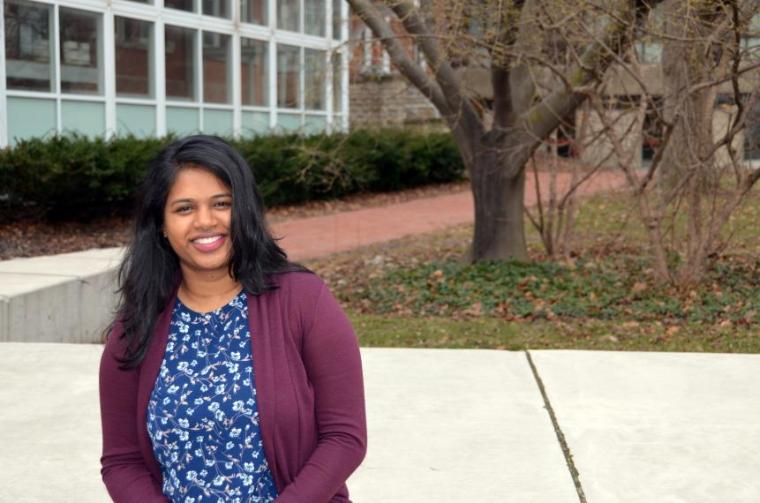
(58, 298)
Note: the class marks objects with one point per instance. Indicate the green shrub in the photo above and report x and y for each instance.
(74, 176)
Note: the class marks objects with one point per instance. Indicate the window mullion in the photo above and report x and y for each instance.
(3, 94)
(108, 70)
(57, 68)
(199, 74)
(159, 70)
(237, 97)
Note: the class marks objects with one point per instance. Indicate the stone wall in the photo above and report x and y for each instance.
(389, 101)
(596, 146)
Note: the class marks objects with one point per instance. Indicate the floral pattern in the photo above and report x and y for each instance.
(202, 416)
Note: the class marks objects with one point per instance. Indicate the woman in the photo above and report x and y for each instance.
(230, 374)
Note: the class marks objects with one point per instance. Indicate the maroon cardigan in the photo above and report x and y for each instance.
(309, 388)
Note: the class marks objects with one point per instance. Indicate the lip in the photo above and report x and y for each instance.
(209, 247)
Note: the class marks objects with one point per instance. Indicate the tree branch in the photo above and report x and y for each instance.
(444, 74)
(501, 61)
(543, 117)
(369, 14)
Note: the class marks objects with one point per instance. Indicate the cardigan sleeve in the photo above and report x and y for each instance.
(122, 467)
(333, 363)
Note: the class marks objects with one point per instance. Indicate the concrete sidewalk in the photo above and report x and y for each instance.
(452, 426)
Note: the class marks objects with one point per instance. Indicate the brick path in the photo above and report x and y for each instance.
(318, 236)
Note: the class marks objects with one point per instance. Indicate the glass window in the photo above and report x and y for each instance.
(134, 57)
(254, 11)
(314, 79)
(336, 18)
(314, 17)
(28, 46)
(216, 67)
(180, 62)
(187, 5)
(218, 8)
(288, 15)
(752, 133)
(81, 37)
(649, 52)
(337, 82)
(288, 76)
(253, 72)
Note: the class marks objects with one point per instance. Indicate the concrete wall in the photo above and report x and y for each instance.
(596, 147)
(722, 118)
(59, 298)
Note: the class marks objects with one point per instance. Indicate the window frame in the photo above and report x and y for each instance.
(159, 17)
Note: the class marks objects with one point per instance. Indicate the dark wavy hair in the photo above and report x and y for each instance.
(150, 272)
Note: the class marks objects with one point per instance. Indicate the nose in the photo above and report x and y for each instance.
(204, 218)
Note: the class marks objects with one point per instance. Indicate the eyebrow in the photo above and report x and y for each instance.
(189, 200)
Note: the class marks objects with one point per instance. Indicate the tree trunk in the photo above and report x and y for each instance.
(499, 209)
(689, 59)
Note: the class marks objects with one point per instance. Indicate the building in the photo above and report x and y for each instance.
(151, 67)
(380, 95)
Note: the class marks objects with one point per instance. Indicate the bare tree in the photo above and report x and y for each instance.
(540, 58)
(699, 159)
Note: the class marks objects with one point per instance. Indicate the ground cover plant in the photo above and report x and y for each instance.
(422, 292)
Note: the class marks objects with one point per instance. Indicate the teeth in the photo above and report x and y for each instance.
(205, 241)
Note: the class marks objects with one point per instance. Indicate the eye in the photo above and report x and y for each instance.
(185, 208)
(223, 204)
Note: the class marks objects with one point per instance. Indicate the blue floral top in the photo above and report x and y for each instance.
(202, 416)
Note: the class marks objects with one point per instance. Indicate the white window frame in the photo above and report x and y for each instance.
(159, 16)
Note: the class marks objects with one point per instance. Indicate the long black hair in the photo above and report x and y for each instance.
(150, 272)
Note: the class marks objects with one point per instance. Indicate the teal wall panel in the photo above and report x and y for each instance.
(182, 121)
(139, 120)
(83, 117)
(218, 122)
(253, 123)
(30, 117)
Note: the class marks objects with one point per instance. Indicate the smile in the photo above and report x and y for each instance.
(209, 243)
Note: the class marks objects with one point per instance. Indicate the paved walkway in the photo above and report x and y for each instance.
(451, 426)
(322, 235)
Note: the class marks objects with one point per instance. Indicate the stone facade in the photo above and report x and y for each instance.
(388, 101)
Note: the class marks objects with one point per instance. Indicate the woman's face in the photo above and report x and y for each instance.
(197, 220)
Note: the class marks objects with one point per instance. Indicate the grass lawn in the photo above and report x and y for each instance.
(420, 292)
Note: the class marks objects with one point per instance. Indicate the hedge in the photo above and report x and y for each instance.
(74, 176)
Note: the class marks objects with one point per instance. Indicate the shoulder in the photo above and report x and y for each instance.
(298, 279)
(303, 297)
(298, 286)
